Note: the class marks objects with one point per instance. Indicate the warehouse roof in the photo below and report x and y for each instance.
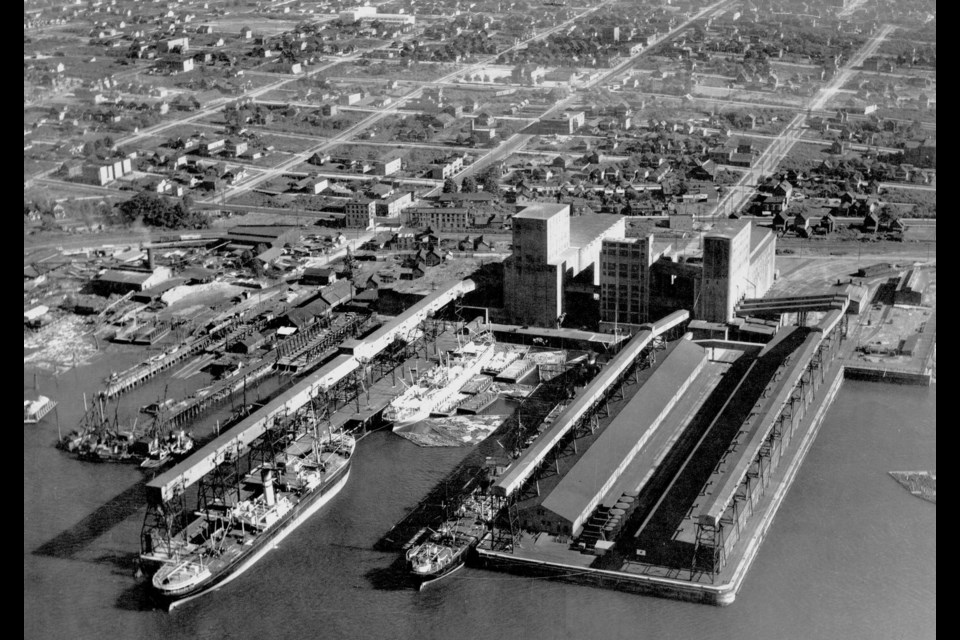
(584, 483)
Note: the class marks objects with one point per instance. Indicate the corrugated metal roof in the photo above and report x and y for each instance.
(584, 482)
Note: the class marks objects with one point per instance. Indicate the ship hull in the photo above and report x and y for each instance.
(456, 562)
(427, 406)
(261, 545)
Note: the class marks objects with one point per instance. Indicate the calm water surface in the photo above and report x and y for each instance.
(850, 555)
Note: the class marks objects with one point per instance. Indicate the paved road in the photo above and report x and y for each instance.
(517, 141)
(364, 124)
(740, 193)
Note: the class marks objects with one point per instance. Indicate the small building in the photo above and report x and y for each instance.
(910, 287)
(126, 280)
(781, 221)
(387, 167)
(319, 276)
(337, 293)
(247, 344)
(828, 223)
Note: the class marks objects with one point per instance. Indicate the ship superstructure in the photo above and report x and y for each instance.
(438, 386)
(232, 531)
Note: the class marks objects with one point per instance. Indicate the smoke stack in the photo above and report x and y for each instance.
(150, 258)
(268, 493)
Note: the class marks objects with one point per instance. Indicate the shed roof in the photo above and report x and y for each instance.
(584, 482)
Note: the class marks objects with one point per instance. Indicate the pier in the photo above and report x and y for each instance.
(682, 517)
(332, 396)
(917, 371)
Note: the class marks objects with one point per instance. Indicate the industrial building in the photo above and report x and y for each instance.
(126, 280)
(249, 236)
(625, 281)
(641, 278)
(910, 287)
(370, 14)
(568, 506)
(737, 261)
(554, 261)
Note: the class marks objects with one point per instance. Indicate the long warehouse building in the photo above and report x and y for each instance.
(595, 392)
(565, 509)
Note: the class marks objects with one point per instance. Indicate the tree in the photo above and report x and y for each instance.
(155, 211)
(469, 185)
(490, 179)
(249, 260)
(450, 186)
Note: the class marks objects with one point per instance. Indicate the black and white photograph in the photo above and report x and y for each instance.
(470, 319)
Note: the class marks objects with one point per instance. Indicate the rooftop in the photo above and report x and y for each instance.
(586, 229)
(543, 211)
(604, 460)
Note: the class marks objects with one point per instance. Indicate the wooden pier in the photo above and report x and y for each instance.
(228, 331)
(301, 351)
(918, 371)
(218, 393)
(477, 384)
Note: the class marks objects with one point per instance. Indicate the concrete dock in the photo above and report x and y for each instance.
(692, 529)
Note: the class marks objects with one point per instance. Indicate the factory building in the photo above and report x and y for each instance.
(625, 266)
(738, 262)
(641, 279)
(370, 14)
(554, 261)
(130, 279)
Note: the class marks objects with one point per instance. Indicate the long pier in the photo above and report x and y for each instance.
(173, 483)
(584, 405)
(228, 328)
(708, 522)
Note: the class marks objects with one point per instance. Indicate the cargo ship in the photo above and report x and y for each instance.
(272, 500)
(435, 388)
(446, 550)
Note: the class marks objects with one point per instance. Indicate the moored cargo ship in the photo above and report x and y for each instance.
(435, 388)
(446, 550)
(272, 500)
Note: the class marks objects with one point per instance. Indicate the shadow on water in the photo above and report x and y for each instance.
(470, 472)
(71, 542)
(391, 578)
(138, 598)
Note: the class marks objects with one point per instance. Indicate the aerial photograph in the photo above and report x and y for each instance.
(472, 319)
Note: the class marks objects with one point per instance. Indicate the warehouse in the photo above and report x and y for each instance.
(573, 500)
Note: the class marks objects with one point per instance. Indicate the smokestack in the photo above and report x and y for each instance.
(150, 258)
(268, 493)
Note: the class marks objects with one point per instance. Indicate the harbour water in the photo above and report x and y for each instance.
(850, 554)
